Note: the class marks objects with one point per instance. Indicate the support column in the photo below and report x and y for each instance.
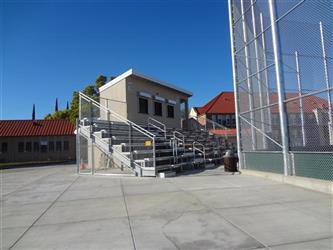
(256, 48)
(328, 85)
(249, 82)
(299, 85)
(269, 115)
(280, 89)
(91, 156)
(239, 147)
(78, 146)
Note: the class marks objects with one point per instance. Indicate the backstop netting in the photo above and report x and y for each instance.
(283, 71)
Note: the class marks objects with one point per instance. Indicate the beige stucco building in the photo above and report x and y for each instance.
(136, 97)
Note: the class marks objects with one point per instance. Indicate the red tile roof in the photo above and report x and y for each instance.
(310, 103)
(230, 132)
(36, 128)
(223, 103)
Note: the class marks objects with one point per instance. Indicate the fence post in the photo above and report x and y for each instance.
(78, 148)
(92, 155)
(90, 118)
(248, 73)
(299, 84)
(80, 109)
(265, 72)
(262, 117)
(280, 88)
(154, 155)
(130, 135)
(238, 128)
(327, 80)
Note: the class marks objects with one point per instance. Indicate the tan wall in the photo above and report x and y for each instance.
(135, 85)
(116, 96)
(202, 119)
(13, 155)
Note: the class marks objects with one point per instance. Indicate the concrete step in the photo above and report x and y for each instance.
(167, 174)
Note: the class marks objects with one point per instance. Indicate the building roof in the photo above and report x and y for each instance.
(135, 73)
(225, 132)
(15, 128)
(222, 103)
(310, 103)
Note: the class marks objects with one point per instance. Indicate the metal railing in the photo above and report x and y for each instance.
(197, 146)
(179, 138)
(210, 124)
(158, 125)
(93, 112)
(214, 124)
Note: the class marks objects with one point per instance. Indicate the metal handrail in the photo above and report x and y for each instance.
(203, 151)
(136, 126)
(150, 120)
(118, 153)
(216, 124)
(121, 118)
(211, 121)
(182, 139)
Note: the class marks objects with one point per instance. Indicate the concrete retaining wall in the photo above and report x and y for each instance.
(308, 183)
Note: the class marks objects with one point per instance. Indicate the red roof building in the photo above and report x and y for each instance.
(15, 128)
(223, 103)
(37, 141)
(220, 110)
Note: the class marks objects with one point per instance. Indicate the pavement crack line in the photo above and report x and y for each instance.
(302, 241)
(128, 217)
(44, 212)
(171, 240)
(167, 223)
(26, 184)
(227, 220)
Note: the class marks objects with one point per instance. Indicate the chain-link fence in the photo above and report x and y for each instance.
(109, 143)
(282, 64)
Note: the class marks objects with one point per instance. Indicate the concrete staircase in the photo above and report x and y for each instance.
(199, 148)
(149, 149)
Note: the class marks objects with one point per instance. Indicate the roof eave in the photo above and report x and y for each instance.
(135, 73)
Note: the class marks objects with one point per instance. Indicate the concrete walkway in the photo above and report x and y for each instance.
(53, 208)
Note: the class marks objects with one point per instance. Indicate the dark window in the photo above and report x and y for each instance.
(66, 145)
(233, 119)
(36, 146)
(51, 146)
(4, 147)
(143, 105)
(21, 147)
(158, 108)
(58, 146)
(43, 148)
(171, 111)
(28, 147)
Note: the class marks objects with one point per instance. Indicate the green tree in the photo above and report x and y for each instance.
(58, 115)
(73, 113)
(100, 81)
(74, 110)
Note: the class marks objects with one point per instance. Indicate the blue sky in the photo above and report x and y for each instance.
(51, 48)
